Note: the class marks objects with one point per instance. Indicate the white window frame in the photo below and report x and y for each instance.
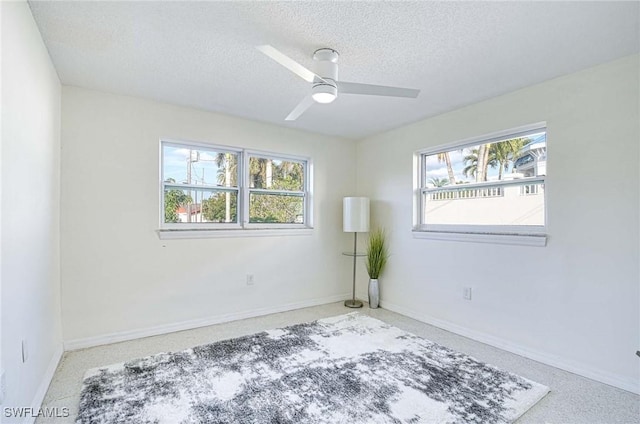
(242, 227)
(201, 225)
(306, 194)
(533, 235)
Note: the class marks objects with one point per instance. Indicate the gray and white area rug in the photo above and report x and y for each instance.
(346, 369)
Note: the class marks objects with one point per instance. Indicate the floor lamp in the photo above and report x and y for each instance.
(355, 219)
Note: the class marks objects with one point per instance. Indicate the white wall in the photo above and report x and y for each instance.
(119, 277)
(1, 136)
(573, 303)
(30, 208)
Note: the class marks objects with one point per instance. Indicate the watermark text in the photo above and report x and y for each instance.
(46, 412)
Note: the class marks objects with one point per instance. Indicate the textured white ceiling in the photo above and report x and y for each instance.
(202, 54)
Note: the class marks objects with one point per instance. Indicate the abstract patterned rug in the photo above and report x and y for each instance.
(346, 369)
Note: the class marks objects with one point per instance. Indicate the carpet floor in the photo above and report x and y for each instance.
(350, 368)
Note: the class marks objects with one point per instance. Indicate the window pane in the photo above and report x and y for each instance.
(195, 206)
(276, 174)
(461, 184)
(508, 159)
(184, 165)
(276, 208)
(519, 204)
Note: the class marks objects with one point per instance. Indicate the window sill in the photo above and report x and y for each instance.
(263, 232)
(539, 240)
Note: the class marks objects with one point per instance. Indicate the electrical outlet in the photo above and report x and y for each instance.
(249, 279)
(3, 386)
(466, 293)
(25, 351)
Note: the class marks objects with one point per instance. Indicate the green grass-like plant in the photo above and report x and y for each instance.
(377, 253)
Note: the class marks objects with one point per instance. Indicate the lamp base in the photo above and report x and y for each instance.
(352, 303)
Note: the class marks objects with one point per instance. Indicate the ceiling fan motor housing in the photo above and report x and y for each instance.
(327, 68)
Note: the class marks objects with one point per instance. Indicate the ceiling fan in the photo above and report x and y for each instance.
(325, 84)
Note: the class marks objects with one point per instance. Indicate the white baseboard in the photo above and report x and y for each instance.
(577, 368)
(196, 323)
(627, 384)
(36, 403)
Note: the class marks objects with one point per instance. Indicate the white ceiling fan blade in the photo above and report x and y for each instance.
(299, 110)
(376, 90)
(289, 63)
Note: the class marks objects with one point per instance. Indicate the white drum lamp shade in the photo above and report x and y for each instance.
(355, 214)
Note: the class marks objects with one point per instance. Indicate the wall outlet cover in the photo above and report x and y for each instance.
(466, 293)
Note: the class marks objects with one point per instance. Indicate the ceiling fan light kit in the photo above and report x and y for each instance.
(325, 84)
(326, 91)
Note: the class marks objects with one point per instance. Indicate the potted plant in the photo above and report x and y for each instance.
(376, 261)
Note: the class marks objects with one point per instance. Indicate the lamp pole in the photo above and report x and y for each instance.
(353, 303)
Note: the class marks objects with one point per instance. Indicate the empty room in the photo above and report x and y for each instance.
(319, 212)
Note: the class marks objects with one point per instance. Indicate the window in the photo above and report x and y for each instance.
(489, 185)
(276, 190)
(221, 187)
